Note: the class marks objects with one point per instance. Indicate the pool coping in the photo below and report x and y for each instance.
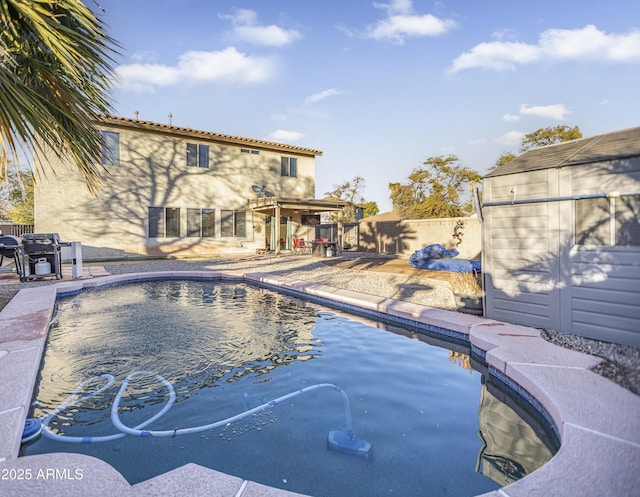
(596, 420)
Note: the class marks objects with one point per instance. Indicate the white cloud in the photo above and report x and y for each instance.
(401, 23)
(556, 111)
(498, 55)
(605, 101)
(504, 34)
(271, 36)
(511, 138)
(144, 56)
(588, 43)
(398, 27)
(226, 66)
(281, 135)
(511, 118)
(396, 6)
(316, 97)
(246, 28)
(242, 17)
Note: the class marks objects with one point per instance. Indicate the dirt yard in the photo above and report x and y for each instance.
(464, 282)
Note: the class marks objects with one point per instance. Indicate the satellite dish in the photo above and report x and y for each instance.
(258, 189)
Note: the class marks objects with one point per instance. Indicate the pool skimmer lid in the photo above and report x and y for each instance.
(32, 429)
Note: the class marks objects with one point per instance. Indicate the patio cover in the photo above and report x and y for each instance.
(278, 206)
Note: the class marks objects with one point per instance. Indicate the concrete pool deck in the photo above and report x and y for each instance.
(598, 421)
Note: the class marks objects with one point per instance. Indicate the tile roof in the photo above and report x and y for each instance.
(609, 146)
(206, 135)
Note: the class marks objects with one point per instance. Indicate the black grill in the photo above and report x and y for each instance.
(11, 248)
(38, 249)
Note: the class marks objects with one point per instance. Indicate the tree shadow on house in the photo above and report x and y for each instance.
(142, 203)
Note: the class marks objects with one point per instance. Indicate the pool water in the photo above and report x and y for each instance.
(227, 347)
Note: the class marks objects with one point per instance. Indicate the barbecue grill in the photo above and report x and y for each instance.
(42, 256)
(11, 248)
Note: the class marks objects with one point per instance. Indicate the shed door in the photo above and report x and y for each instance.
(522, 266)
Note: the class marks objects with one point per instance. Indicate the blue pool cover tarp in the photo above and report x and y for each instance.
(438, 258)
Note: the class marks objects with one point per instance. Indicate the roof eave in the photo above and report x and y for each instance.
(211, 136)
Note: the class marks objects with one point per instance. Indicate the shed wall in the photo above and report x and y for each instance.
(536, 274)
(604, 291)
(520, 243)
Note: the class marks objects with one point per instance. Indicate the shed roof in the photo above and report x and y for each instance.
(609, 146)
(125, 122)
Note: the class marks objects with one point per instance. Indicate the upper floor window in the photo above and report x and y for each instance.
(197, 155)
(250, 151)
(110, 148)
(289, 166)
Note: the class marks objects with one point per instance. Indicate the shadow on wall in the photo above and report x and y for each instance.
(93, 253)
(585, 283)
(153, 173)
(389, 237)
(406, 236)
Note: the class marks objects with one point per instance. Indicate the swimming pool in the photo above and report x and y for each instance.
(226, 348)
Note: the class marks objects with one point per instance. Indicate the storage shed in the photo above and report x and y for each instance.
(561, 238)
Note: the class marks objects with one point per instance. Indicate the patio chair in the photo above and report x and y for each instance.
(298, 244)
(306, 247)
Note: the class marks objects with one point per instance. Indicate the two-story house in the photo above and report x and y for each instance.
(174, 191)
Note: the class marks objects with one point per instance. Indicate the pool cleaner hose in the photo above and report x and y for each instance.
(343, 441)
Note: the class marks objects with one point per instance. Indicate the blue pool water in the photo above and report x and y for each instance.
(434, 426)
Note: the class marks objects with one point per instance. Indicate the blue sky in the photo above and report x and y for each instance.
(379, 86)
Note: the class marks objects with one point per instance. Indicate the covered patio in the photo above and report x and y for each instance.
(288, 219)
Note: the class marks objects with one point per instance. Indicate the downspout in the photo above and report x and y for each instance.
(253, 224)
(253, 227)
(277, 228)
(340, 234)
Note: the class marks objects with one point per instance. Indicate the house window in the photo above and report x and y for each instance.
(608, 221)
(164, 222)
(197, 155)
(233, 223)
(289, 166)
(156, 222)
(201, 223)
(172, 216)
(110, 148)
(249, 151)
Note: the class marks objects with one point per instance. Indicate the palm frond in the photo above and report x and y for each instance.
(55, 73)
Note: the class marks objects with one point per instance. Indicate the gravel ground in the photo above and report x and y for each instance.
(622, 363)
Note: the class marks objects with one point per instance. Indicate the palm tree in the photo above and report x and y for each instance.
(55, 72)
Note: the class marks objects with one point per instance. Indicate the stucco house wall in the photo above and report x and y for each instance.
(153, 173)
(561, 238)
